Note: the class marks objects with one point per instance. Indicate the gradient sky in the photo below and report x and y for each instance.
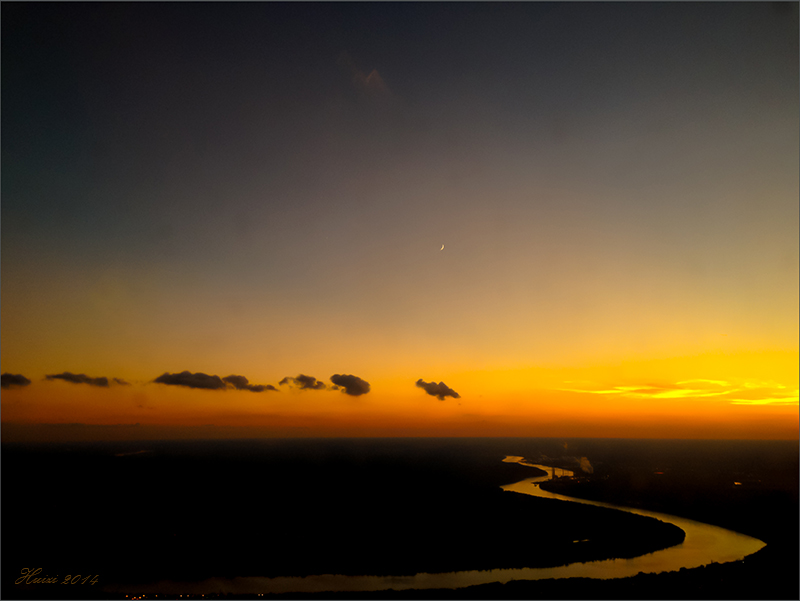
(263, 190)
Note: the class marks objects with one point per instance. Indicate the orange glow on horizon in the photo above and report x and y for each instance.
(691, 408)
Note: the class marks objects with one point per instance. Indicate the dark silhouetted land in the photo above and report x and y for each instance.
(190, 511)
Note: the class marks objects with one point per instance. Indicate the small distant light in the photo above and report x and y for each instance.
(737, 483)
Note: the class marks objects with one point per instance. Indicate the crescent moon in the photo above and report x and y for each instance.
(442, 247)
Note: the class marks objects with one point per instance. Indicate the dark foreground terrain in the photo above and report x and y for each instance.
(747, 486)
(139, 513)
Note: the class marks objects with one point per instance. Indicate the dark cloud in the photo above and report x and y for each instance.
(303, 382)
(13, 380)
(242, 383)
(121, 382)
(238, 382)
(352, 385)
(79, 379)
(262, 387)
(370, 84)
(439, 390)
(190, 380)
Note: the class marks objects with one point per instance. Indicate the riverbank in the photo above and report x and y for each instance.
(755, 497)
(749, 579)
(291, 509)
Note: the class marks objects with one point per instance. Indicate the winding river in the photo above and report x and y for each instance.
(704, 544)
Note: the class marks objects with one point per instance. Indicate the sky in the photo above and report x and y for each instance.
(399, 219)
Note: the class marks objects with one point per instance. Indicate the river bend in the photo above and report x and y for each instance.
(704, 544)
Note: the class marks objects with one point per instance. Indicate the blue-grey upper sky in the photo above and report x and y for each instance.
(615, 176)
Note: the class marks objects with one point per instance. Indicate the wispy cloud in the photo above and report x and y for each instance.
(242, 383)
(750, 392)
(766, 393)
(793, 399)
(303, 382)
(371, 84)
(704, 381)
